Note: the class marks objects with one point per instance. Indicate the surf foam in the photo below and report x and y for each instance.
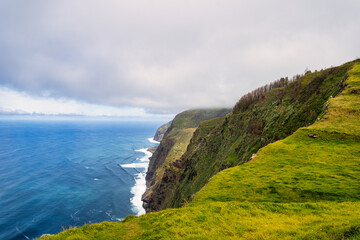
(140, 183)
(138, 190)
(153, 141)
(135, 165)
(147, 154)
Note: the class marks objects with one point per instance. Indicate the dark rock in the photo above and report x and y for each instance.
(159, 135)
(152, 149)
(313, 135)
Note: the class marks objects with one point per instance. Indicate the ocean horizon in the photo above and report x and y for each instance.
(59, 174)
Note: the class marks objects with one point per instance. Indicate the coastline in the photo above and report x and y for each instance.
(140, 178)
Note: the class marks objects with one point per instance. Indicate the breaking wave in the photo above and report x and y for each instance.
(140, 183)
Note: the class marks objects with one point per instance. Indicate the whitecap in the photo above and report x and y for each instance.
(96, 179)
(152, 140)
(137, 191)
(147, 154)
(108, 213)
(135, 165)
(140, 183)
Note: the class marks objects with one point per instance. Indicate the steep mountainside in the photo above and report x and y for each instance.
(173, 145)
(266, 115)
(305, 186)
(159, 135)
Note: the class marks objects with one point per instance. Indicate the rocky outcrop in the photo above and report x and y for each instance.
(159, 135)
(152, 149)
(170, 149)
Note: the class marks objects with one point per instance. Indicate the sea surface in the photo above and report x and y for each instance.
(59, 174)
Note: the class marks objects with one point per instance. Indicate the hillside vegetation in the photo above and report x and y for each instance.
(172, 147)
(305, 186)
(263, 116)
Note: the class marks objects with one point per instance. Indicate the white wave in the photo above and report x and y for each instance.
(147, 154)
(96, 179)
(135, 165)
(137, 191)
(140, 183)
(152, 140)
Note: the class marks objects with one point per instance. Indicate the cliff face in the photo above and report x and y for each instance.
(159, 135)
(265, 116)
(172, 146)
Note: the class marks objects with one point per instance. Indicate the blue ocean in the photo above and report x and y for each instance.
(59, 174)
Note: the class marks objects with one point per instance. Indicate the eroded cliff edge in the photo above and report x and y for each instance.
(159, 134)
(172, 146)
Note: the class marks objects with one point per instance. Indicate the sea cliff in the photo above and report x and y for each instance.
(173, 145)
(285, 164)
(266, 115)
(159, 134)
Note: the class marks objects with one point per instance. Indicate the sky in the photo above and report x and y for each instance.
(156, 58)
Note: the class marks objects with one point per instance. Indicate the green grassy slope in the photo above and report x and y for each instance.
(296, 188)
(220, 144)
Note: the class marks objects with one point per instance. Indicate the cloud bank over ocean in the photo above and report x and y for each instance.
(166, 56)
(20, 103)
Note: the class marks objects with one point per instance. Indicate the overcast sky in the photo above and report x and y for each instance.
(146, 57)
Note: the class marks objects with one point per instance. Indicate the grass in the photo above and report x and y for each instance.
(223, 143)
(296, 188)
(181, 139)
(233, 220)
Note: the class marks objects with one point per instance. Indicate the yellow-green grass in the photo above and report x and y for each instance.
(301, 168)
(233, 220)
(306, 186)
(181, 139)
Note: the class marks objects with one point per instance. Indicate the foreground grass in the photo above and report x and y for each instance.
(301, 187)
(233, 220)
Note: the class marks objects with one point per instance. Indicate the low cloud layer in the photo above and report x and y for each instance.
(166, 56)
(20, 103)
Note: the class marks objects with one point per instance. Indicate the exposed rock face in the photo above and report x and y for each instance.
(313, 135)
(159, 135)
(152, 149)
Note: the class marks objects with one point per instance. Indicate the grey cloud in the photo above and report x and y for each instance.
(167, 56)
